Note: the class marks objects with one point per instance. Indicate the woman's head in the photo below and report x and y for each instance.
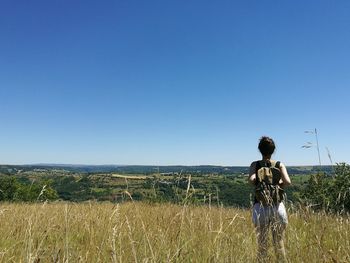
(266, 146)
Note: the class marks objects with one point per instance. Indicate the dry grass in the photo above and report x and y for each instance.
(139, 232)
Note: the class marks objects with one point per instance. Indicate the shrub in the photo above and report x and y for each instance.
(329, 192)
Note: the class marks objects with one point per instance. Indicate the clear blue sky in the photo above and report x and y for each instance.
(173, 82)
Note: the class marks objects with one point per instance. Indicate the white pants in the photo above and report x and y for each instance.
(267, 215)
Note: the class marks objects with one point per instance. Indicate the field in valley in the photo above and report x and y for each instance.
(142, 232)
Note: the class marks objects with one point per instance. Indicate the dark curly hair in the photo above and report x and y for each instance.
(266, 146)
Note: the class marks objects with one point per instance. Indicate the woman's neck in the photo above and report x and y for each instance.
(266, 158)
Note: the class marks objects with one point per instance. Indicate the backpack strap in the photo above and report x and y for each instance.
(278, 164)
(257, 167)
(259, 164)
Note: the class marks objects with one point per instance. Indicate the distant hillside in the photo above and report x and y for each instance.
(151, 169)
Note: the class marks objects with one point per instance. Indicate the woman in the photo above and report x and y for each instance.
(272, 216)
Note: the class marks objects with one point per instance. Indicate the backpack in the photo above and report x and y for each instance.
(267, 189)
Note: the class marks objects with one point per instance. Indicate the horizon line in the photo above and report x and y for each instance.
(154, 165)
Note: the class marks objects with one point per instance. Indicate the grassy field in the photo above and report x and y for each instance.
(141, 232)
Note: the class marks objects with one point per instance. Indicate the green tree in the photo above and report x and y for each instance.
(8, 187)
(330, 193)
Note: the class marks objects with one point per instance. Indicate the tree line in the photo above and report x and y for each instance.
(323, 191)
